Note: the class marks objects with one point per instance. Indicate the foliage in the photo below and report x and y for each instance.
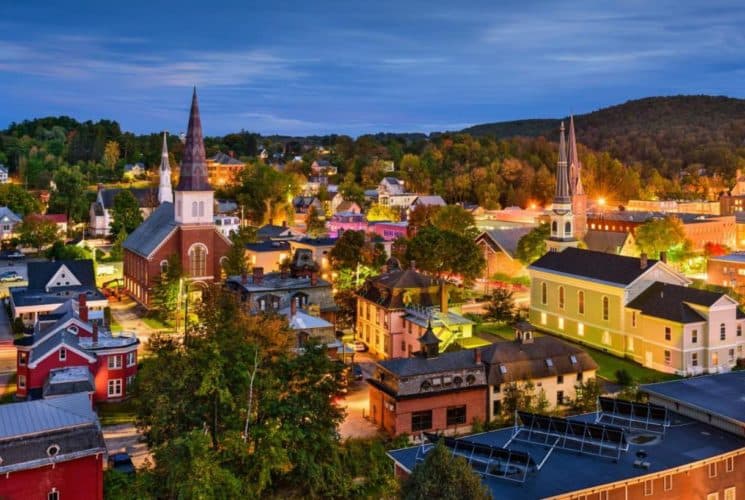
(67, 197)
(355, 247)
(315, 225)
(125, 214)
(111, 154)
(117, 248)
(455, 219)
(421, 216)
(235, 260)
(37, 231)
(445, 253)
(660, 235)
(165, 295)
(532, 246)
(377, 213)
(517, 396)
(444, 476)
(60, 251)
(587, 395)
(265, 193)
(18, 200)
(715, 249)
(624, 378)
(501, 306)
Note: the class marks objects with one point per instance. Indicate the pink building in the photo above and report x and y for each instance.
(346, 221)
(389, 231)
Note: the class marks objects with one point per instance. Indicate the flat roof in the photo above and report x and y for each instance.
(721, 394)
(685, 441)
(731, 257)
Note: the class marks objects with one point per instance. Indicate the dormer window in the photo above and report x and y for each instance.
(573, 359)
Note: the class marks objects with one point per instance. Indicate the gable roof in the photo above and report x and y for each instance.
(430, 200)
(272, 231)
(599, 266)
(504, 240)
(7, 215)
(387, 289)
(39, 273)
(224, 159)
(445, 362)
(147, 197)
(605, 241)
(662, 300)
(153, 231)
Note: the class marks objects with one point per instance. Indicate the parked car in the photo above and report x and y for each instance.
(10, 276)
(360, 346)
(121, 462)
(357, 371)
(12, 255)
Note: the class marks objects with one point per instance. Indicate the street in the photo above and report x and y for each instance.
(356, 403)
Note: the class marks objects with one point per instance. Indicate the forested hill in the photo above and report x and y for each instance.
(667, 133)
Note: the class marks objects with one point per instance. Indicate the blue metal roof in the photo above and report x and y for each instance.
(31, 417)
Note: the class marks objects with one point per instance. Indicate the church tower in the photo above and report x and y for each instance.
(576, 190)
(562, 220)
(194, 195)
(165, 191)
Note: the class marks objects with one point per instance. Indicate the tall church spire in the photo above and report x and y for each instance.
(562, 182)
(193, 174)
(562, 220)
(165, 192)
(575, 167)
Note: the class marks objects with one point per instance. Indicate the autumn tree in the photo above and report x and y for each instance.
(125, 213)
(455, 219)
(379, 212)
(111, 154)
(315, 224)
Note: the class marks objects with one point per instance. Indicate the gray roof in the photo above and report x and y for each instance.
(39, 273)
(274, 281)
(738, 257)
(271, 231)
(605, 241)
(643, 216)
(7, 215)
(147, 197)
(153, 231)
(504, 239)
(224, 159)
(662, 300)
(722, 394)
(69, 380)
(445, 362)
(23, 296)
(430, 200)
(31, 417)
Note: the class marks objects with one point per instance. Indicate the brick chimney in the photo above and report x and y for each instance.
(82, 308)
(663, 257)
(643, 261)
(95, 332)
(258, 275)
(293, 308)
(313, 278)
(443, 298)
(477, 356)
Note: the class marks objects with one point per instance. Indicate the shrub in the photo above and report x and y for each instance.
(624, 378)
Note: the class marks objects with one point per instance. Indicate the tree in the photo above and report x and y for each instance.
(455, 219)
(660, 235)
(111, 154)
(501, 305)
(37, 231)
(18, 200)
(532, 246)
(445, 476)
(315, 225)
(445, 253)
(353, 248)
(378, 213)
(587, 395)
(166, 289)
(235, 260)
(420, 216)
(125, 213)
(68, 196)
(117, 249)
(517, 396)
(60, 251)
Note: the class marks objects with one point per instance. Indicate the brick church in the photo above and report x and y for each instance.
(182, 224)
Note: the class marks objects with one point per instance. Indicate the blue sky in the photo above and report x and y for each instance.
(324, 66)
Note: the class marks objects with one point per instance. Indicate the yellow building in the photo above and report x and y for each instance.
(635, 308)
(222, 169)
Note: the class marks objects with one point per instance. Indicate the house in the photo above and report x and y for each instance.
(100, 210)
(8, 222)
(268, 255)
(59, 219)
(276, 291)
(323, 168)
(636, 308)
(51, 284)
(310, 327)
(390, 186)
(395, 308)
(3, 174)
(428, 201)
(273, 232)
(727, 270)
(346, 207)
(319, 250)
(185, 228)
(674, 446)
(67, 342)
(611, 242)
(390, 231)
(223, 169)
(499, 247)
(51, 448)
(302, 204)
(134, 170)
(227, 224)
(346, 221)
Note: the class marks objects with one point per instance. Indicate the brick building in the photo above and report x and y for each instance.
(185, 228)
(727, 270)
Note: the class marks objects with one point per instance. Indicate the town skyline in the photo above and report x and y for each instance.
(333, 69)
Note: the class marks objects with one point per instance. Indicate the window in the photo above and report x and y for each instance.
(198, 260)
(694, 359)
(668, 358)
(115, 387)
(131, 358)
(713, 469)
(62, 354)
(456, 415)
(739, 330)
(560, 379)
(606, 337)
(568, 228)
(549, 362)
(581, 329)
(713, 496)
(421, 420)
(731, 355)
(579, 377)
(648, 490)
(22, 358)
(201, 209)
(581, 302)
(130, 381)
(722, 331)
(561, 297)
(559, 397)
(53, 495)
(694, 336)
(606, 306)
(496, 388)
(544, 318)
(730, 493)
(633, 319)
(729, 464)
(403, 345)
(667, 482)
(544, 293)
(21, 381)
(715, 359)
(561, 323)
(668, 333)
(163, 266)
(554, 227)
(115, 362)
(194, 209)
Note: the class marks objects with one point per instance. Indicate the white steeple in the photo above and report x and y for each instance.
(165, 191)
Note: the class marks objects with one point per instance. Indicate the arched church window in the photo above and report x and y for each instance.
(554, 227)
(568, 228)
(194, 209)
(201, 209)
(198, 260)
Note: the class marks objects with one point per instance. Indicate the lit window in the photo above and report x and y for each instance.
(581, 329)
(730, 493)
(561, 323)
(606, 337)
(581, 302)
(544, 318)
(22, 357)
(715, 359)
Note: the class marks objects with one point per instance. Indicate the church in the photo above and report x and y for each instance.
(182, 224)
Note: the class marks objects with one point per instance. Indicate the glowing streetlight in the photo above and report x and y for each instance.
(601, 201)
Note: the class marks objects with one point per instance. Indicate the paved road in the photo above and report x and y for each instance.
(124, 437)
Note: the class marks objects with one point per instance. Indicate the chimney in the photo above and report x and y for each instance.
(244, 277)
(284, 272)
(412, 265)
(82, 308)
(293, 308)
(443, 298)
(313, 278)
(95, 332)
(643, 261)
(477, 356)
(258, 275)
(663, 257)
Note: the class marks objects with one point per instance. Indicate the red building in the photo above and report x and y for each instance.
(51, 449)
(64, 345)
(184, 228)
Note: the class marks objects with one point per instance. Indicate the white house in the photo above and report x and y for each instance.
(8, 222)
(3, 174)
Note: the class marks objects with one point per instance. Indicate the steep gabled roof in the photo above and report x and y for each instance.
(671, 302)
(223, 159)
(39, 273)
(605, 241)
(146, 197)
(504, 240)
(153, 231)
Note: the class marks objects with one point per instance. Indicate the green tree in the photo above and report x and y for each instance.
(68, 196)
(315, 225)
(660, 235)
(167, 287)
(379, 212)
(587, 395)
(125, 213)
(117, 248)
(37, 232)
(532, 246)
(235, 260)
(60, 251)
(355, 247)
(501, 305)
(445, 253)
(455, 219)
(18, 200)
(444, 476)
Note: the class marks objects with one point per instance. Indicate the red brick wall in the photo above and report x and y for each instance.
(75, 479)
(716, 274)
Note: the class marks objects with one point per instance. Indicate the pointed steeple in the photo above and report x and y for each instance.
(562, 181)
(575, 167)
(165, 191)
(429, 342)
(193, 174)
